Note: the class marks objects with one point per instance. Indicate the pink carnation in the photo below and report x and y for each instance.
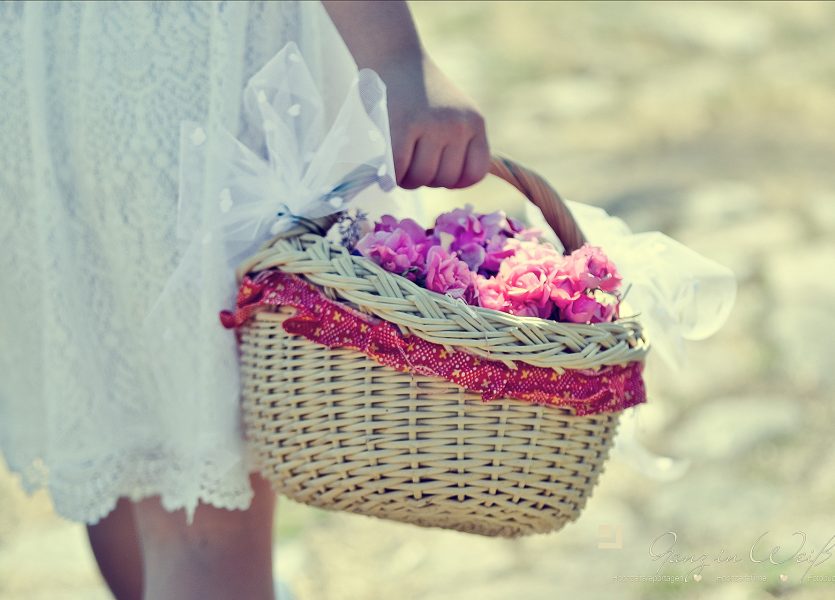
(528, 288)
(564, 290)
(588, 309)
(491, 292)
(590, 266)
(579, 305)
(447, 274)
(580, 310)
(528, 252)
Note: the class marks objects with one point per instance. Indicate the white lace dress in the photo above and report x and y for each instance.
(93, 95)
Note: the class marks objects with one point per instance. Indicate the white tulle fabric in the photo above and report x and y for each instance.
(94, 95)
(677, 294)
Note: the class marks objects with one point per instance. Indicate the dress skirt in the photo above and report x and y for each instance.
(93, 95)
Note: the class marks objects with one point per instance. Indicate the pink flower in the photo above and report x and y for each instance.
(531, 310)
(491, 293)
(528, 288)
(578, 305)
(580, 310)
(447, 274)
(609, 307)
(588, 309)
(541, 254)
(591, 267)
(564, 290)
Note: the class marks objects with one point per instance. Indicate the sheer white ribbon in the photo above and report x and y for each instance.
(677, 293)
(233, 197)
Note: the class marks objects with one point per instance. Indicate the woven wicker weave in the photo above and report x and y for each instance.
(334, 429)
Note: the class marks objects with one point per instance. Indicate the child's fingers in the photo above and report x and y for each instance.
(476, 162)
(424, 164)
(403, 148)
(451, 165)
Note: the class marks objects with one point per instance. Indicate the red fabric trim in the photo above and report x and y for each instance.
(608, 389)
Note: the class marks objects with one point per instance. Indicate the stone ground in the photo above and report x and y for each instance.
(712, 123)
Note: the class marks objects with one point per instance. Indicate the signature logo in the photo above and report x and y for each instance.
(798, 550)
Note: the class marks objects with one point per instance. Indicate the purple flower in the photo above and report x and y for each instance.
(395, 251)
(478, 239)
(389, 223)
(498, 222)
(495, 251)
(473, 254)
(462, 224)
(460, 230)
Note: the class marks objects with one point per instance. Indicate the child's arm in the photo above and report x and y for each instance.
(438, 135)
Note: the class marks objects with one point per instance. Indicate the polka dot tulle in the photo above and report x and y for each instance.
(323, 321)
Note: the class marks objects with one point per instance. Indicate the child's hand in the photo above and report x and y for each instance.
(438, 135)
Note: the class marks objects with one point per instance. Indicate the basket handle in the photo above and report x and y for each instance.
(543, 196)
(532, 186)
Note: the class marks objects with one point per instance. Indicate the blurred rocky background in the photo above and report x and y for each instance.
(713, 123)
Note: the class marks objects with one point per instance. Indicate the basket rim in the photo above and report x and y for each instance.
(444, 320)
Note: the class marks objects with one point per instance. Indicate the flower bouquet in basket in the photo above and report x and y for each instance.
(493, 261)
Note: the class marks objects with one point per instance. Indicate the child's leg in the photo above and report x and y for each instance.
(116, 547)
(223, 554)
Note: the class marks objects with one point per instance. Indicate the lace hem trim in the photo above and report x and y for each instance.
(89, 493)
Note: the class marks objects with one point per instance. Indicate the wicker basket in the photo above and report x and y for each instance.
(334, 429)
